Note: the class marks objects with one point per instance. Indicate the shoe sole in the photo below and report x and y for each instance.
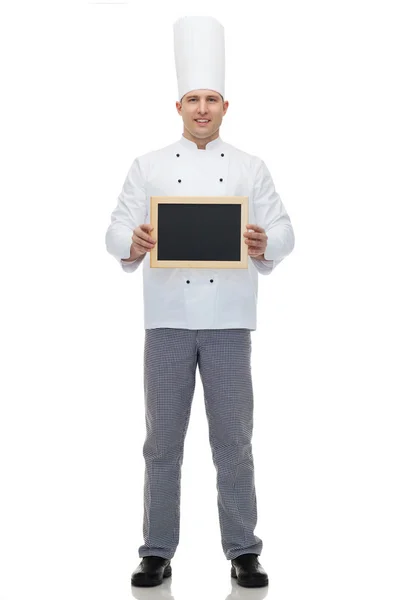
(247, 583)
(152, 583)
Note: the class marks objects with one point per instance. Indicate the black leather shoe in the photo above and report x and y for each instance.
(248, 571)
(151, 571)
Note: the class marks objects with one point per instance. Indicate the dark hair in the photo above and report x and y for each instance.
(217, 92)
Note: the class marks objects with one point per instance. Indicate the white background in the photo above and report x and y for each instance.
(314, 91)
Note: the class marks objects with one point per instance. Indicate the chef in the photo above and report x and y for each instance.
(199, 317)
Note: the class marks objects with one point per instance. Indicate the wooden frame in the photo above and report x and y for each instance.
(215, 264)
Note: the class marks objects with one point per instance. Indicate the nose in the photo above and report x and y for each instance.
(202, 107)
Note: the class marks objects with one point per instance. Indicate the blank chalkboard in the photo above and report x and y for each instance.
(199, 231)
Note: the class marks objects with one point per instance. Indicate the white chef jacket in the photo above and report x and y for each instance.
(201, 298)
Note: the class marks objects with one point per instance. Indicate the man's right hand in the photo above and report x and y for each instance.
(142, 242)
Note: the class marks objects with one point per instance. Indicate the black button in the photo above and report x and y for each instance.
(211, 281)
(179, 181)
(187, 280)
(222, 155)
(177, 155)
(221, 179)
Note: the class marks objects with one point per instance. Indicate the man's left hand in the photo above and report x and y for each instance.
(256, 241)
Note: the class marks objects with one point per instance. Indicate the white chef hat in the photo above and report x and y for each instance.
(199, 54)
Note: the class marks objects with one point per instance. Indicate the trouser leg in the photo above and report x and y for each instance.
(170, 360)
(224, 358)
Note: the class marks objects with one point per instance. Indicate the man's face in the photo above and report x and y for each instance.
(202, 104)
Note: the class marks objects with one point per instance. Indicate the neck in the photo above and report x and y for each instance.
(200, 142)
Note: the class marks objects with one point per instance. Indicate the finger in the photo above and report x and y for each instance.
(139, 246)
(255, 227)
(144, 231)
(140, 242)
(255, 249)
(144, 244)
(254, 236)
(142, 249)
(144, 236)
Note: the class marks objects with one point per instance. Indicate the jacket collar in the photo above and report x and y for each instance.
(213, 145)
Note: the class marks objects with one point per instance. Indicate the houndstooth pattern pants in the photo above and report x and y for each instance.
(171, 357)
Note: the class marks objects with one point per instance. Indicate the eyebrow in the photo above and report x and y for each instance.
(209, 96)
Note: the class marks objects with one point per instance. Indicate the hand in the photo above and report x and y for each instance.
(142, 242)
(256, 240)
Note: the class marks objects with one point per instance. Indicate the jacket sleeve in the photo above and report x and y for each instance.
(128, 214)
(270, 214)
